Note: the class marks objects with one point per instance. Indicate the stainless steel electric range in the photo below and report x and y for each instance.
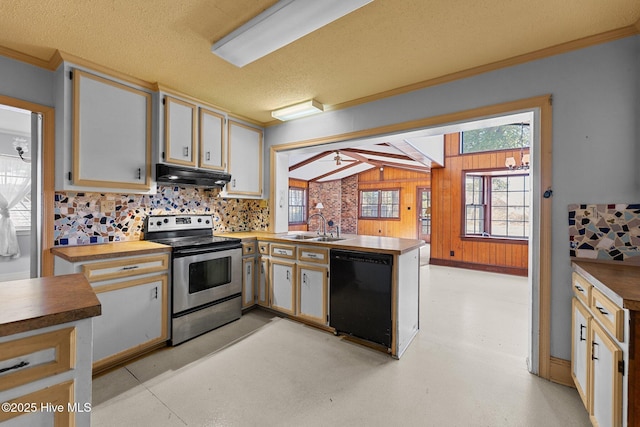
(206, 273)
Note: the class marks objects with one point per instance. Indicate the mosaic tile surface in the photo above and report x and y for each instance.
(605, 232)
(78, 220)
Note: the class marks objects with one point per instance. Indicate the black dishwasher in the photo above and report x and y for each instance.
(360, 295)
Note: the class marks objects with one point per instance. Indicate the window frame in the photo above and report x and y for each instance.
(487, 175)
(305, 205)
(378, 217)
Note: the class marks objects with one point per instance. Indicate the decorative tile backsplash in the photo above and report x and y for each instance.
(78, 220)
(605, 232)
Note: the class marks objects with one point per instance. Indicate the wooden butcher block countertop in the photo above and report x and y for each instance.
(623, 279)
(31, 304)
(108, 250)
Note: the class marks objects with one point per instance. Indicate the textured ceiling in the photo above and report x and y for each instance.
(382, 46)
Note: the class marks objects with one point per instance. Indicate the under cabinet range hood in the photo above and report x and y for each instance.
(177, 175)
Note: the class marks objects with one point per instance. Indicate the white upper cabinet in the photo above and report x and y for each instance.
(245, 160)
(192, 133)
(179, 132)
(104, 128)
(212, 140)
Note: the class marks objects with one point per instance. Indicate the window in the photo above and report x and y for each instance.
(505, 137)
(379, 204)
(497, 205)
(297, 205)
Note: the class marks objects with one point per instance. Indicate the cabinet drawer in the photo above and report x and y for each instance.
(283, 251)
(27, 359)
(125, 267)
(582, 288)
(29, 406)
(320, 256)
(263, 248)
(248, 248)
(610, 315)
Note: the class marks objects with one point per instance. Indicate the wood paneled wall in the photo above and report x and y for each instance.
(407, 182)
(301, 184)
(447, 216)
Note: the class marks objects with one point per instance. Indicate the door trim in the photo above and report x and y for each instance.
(540, 334)
(48, 175)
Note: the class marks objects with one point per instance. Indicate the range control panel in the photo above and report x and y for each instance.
(178, 222)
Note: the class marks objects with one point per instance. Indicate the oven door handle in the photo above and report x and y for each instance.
(197, 251)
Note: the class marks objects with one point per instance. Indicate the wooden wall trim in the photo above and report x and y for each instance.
(605, 37)
(560, 371)
(543, 105)
(48, 175)
(514, 271)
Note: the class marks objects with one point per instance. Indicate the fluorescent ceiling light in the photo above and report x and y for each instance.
(279, 25)
(296, 111)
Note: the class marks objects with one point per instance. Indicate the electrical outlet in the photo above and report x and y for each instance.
(264, 203)
(107, 206)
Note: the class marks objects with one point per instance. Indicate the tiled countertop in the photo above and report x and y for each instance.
(623, 279)
(31, 304)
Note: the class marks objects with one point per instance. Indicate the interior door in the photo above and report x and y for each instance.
(424, 214)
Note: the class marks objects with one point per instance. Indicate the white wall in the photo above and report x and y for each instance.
(595, 136)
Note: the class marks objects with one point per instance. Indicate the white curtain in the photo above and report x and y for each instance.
(15, 184)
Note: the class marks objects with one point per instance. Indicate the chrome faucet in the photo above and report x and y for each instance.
(324, 223)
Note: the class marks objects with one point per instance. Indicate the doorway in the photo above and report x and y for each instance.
(539, 254)
(424, 214)
(26, 189)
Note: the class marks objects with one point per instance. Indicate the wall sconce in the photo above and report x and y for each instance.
(319, 205)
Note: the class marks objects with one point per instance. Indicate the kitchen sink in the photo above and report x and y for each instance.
(299, 236)
(327, 239)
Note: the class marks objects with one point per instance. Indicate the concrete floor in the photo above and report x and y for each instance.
(466, 367)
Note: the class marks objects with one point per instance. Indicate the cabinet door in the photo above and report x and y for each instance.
(179, 132)
(212, 140)
(111, 134)
(245, 160)
(134, 316)
(606, 379)
(580, 356)
(312, 293)
(263, 282)
(248, 264)
(283, 286)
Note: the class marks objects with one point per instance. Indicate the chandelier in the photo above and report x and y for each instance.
(510, 162)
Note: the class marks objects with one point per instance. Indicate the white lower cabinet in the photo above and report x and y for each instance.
(134, 293)
(134, 316)
(606, 378)
(598, 358)
(45, 376)
(263, 282)
(248, 280)
(580, 333)
(312, 293)
(283, 286)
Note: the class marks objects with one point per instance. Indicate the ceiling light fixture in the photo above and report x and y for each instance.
(279, 25)
(303, 109)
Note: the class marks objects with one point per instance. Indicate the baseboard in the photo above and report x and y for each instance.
(515, 271)
(560, 371)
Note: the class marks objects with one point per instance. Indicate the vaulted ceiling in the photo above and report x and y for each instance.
(381, 47)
